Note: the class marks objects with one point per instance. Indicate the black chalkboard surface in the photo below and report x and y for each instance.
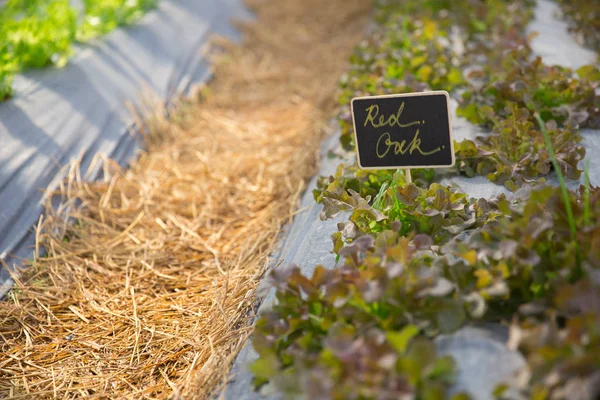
(410, 130)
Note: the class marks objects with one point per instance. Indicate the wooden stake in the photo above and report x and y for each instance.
(408, 176)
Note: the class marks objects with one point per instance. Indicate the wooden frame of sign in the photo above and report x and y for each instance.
(411, 130)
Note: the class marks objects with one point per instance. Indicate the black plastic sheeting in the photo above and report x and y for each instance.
(481, 354)
(80, 110)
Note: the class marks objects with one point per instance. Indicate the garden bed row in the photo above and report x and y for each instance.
(419, 260)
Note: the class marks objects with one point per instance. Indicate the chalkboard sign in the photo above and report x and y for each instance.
(403, 131)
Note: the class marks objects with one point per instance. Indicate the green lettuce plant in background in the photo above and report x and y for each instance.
(39, 33)
(102, 16)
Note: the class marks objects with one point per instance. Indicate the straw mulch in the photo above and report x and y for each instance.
(149, 294)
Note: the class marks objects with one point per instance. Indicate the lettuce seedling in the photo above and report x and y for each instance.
(515, 152)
